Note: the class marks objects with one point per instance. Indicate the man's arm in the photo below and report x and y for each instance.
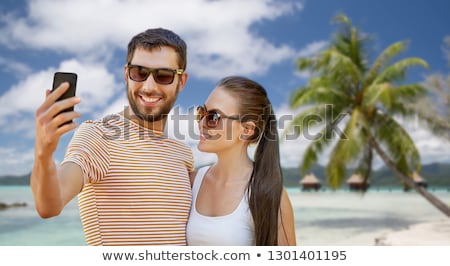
(53, 188)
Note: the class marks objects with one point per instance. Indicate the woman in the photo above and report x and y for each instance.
(237, 200)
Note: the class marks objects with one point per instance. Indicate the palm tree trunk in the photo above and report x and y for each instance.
(422, 191)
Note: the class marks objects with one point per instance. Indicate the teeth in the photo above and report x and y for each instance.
(150, 99)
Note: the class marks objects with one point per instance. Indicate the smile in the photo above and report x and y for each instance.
(150, 100)
(205, 136)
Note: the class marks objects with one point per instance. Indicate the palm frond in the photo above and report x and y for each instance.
(306, 63)
(377, 93)
(336, 172)
(400, 147)
(343, 19)
(317, 92)
(346, 150)
(382, 60)
(340, 67)
(312, 116)
(312, 152)
(397, 71)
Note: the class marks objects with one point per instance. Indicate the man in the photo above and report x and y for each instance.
(132, 181)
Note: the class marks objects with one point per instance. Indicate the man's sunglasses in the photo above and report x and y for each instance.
(162, 76)
(212, 118)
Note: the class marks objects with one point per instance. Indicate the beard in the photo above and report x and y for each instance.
(156, 114)
(162, 113)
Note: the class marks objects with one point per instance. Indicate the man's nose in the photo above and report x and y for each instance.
(149, 83)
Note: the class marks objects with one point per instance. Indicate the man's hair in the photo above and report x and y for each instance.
(159, 37)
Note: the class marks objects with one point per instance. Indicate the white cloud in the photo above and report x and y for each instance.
(14, 67)
(217, 32)
(15, 162)
(431, 148)
(312, 48)
(96, 86)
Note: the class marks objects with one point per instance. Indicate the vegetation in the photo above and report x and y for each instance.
(364, 100)
(437, 175)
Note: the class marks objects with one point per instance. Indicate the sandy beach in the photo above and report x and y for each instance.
(376, 218)
(423, 234)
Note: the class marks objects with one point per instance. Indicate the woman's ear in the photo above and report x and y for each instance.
(248, 130)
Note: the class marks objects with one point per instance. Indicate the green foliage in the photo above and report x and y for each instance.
(369, 95)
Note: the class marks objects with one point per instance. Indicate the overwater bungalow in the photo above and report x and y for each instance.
(356, 182)
(420, 181)
(310, 182)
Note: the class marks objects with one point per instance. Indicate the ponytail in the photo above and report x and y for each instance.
(266, 184)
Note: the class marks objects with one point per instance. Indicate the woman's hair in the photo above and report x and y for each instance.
(159, 37)
(266, 183)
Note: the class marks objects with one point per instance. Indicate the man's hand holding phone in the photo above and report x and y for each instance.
(55, 116)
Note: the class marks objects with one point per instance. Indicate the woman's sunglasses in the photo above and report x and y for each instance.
(164, 76)
(212, 118)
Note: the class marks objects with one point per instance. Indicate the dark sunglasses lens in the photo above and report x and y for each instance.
(164, 76)
(212, 119)
(138, 73)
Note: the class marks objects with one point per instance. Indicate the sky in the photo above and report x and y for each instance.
(260, 39)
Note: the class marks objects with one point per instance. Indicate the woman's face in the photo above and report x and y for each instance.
(219, 126)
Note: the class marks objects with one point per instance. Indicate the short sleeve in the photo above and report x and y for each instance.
(88, 148)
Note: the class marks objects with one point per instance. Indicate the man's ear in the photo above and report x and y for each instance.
(125, 73)
(183, 81)
(248, 130)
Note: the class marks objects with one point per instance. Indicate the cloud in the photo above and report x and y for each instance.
(15, 161)
(218, 33)
(96, 86)
(14, 67)
(431, 148)
(312, 48)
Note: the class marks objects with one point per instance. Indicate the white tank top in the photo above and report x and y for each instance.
(234, 229)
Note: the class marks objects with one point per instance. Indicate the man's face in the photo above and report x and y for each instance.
(149, 100)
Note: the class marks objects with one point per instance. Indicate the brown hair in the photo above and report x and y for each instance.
(158, 37)
(266, 183)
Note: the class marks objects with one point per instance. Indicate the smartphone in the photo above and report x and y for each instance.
(60, 77)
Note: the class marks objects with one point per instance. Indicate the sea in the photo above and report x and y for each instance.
(322, 218)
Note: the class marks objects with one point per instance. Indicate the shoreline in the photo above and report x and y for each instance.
(434, 233)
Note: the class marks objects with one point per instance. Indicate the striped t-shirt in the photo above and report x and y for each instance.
(136, 183)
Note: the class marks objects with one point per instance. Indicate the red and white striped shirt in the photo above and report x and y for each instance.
(136, 183)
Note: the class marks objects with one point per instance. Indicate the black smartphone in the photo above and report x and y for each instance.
(61, 77)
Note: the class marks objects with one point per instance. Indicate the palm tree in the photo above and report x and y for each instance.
(369, 96)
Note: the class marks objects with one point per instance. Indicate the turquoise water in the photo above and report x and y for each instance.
(23, 227)
(321, 218)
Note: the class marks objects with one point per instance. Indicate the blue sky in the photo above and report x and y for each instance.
(258, 38)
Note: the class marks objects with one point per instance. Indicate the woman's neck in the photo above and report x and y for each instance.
(233, 165)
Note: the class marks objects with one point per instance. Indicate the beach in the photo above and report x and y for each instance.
(343, 218)
(323, 218)
(435, 233)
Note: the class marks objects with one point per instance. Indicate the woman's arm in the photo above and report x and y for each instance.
(286, 227)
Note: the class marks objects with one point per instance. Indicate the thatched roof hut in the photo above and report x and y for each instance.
(419, 180)
(310, 181)
(356, 182)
